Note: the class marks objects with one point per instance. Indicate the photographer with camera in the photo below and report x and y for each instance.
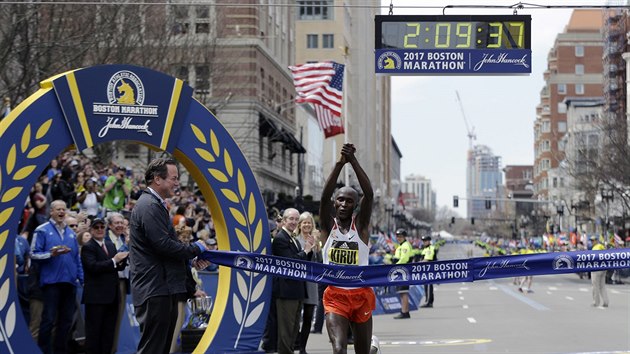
(117, 189)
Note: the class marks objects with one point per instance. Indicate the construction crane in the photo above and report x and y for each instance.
(471, 132)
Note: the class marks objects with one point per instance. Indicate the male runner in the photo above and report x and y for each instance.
(345, 236)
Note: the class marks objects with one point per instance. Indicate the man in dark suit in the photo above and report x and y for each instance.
(101, 263)
(157, 267)
(288, 293)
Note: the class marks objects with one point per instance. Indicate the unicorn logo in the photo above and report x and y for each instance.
(389, 61)
(562, 262)
(243, 262)
(397, 274)
(128, 95)
(125, 88)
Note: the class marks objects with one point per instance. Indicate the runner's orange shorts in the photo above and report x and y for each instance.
(354, 304)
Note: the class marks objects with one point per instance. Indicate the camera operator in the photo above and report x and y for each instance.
(117, 189)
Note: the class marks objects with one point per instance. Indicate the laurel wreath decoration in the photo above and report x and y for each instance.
(21, 153)
(249, 232)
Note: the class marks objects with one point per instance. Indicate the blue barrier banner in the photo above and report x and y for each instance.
(348, 276)
(550, 263)
(464, 270)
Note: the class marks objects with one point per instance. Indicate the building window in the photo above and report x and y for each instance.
(202, 19)
(546, 145)
(189, 18)
(579, 69)
(202, 79)
(554, 182)
(263, 87)
(562, 126)
(328, 41)
(311, 41)
(546, 126)
(545, 164)
(579, 89)
(579, 50)
(562, 89)
(180, 14)
(181, 72)
(315, 9)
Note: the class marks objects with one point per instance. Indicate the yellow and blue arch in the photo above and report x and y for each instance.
(106, 103)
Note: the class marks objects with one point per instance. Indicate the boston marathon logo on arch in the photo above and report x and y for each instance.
(107, 103)
(99, 104)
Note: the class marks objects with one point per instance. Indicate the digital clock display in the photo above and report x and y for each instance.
(476, 44)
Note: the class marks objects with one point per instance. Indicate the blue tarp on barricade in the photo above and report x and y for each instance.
(388, 300)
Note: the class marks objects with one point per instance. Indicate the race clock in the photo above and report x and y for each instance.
(457, 44)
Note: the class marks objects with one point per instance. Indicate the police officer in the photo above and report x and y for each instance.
(403, 255)
(428, 255)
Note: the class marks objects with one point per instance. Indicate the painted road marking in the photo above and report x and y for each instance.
(568, 297)
(523, 298)
(471, 320)
(435, 342)
(461, 298)
(465, 306)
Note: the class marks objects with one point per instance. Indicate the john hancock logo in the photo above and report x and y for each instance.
(125, 101)
(398, 274)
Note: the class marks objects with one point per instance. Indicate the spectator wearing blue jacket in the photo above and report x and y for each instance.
(55, 248)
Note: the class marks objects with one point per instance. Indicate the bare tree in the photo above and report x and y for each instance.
(601, 160)
(39, 40)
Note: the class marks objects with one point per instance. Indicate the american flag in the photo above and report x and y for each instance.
(321, 84)
(381, 241)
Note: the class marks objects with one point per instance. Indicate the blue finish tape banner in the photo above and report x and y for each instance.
(459, 270)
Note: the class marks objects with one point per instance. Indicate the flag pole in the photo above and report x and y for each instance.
(345, 119)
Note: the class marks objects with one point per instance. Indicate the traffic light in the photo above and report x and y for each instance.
(472, 221)
(452, 219)
(455, 201)
(488, 204)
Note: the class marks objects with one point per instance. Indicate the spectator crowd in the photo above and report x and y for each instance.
(73, 236)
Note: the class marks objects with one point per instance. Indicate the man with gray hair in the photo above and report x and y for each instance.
(289, 293)
(55, 248)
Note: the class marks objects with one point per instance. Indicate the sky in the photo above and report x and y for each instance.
(428, 124)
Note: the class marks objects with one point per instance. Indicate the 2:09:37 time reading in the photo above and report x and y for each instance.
(454, 35)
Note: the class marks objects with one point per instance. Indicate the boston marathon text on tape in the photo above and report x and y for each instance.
(429, 271)
(603, 260)
(466, 270)
(280, 266)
